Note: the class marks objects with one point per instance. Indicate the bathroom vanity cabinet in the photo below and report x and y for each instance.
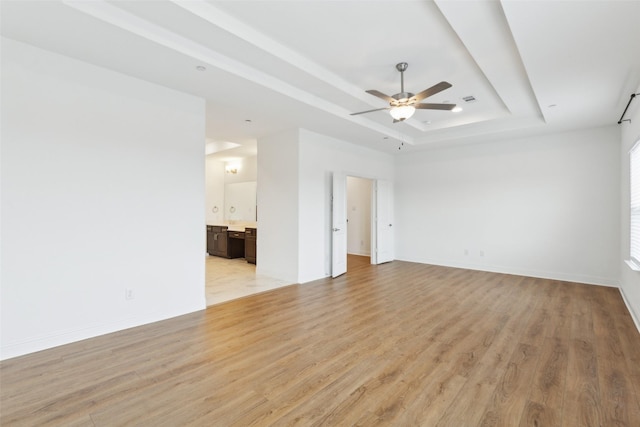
(217, 240)
(227, 243)
(235, 244)
(250, 237)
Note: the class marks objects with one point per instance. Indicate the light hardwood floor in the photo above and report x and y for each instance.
(399, 344)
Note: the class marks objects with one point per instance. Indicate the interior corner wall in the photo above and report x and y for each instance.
(543, 206)
(277, 194)
(359, 216)
(214, 191)
(102, 191)
(629, 279)
(320, 156)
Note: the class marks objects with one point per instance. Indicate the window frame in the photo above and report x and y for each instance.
(634, 206)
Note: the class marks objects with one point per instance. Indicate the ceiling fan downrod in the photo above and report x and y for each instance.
(402, 96)
(402, 66)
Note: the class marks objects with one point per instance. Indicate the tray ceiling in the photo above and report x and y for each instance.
(532, 66)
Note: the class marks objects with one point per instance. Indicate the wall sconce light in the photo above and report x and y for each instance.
(232, 168)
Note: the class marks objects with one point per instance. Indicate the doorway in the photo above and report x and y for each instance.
(359, 219)
(231, 201)
(380, 214)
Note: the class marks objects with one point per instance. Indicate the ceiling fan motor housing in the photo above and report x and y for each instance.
(402, 96)
(401, 66)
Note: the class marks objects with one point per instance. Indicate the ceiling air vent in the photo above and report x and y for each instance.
(469, 98)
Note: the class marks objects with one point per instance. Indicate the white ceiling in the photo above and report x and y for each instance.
(533, 66)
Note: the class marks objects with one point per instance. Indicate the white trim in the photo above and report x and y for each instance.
(634, 206)
(365, 253)
(632, 264)
(44, 342)
(636, 319)
(552, 275)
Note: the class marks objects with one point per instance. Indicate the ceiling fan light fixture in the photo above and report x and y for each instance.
(402, 105)
(402, 112)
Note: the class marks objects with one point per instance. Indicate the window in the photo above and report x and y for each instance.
(635, 203)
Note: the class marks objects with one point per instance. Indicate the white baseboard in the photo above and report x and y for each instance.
(577, 278)
(633, 314)
(38, 343)
(359, 253)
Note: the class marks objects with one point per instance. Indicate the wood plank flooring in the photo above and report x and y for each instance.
(399, 344)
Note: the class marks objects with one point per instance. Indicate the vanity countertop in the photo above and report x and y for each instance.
(235, 227)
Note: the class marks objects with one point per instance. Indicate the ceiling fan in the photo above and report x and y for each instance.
(402, 105)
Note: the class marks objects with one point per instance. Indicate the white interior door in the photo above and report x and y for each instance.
(384, 222)
(339, 225)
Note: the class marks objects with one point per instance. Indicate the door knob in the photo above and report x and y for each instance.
(336, 229)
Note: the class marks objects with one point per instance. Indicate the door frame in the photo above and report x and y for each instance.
(374, 213)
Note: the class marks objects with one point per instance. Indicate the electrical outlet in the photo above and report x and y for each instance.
(466, 251)
(481, 253)
(128, 294)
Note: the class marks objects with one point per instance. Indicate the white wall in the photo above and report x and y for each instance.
(277, 193)
(359, 216)
(214, 191)
(629, 279)
(546, 206)
(320, 156)
(102, 190)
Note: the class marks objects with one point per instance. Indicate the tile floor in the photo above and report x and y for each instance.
(228, 279)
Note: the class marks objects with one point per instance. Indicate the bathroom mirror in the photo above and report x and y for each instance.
(240, 201)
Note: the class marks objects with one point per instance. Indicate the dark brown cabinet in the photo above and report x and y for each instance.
(250, 237)
(217, 240)
(235, 244)
(232, 244)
